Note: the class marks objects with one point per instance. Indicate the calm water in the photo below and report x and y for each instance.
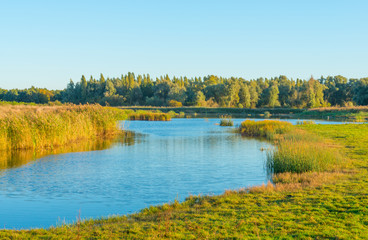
(166, 161)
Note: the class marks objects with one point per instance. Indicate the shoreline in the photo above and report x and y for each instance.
(172, 213)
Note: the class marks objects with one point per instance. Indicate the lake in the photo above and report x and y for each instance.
(163, 162)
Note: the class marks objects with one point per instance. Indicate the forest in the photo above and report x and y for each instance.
(209, 91)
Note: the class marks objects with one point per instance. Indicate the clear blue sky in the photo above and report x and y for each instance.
(45, 43)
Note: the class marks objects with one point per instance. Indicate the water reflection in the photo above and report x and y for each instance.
(16, 158)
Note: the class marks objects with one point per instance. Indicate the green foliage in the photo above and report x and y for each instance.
(267, 114)
(212, 91)
(173, 103)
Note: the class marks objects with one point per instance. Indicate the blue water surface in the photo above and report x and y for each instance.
(168, 160)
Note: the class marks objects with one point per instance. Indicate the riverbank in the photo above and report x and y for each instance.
(25, 127)
(320, 204)
(40, 127)
(359, 113)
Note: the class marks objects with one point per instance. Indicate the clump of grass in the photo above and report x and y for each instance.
(301, 156)
(359, 117)
(149, 116)
(172, 114)
(267, 114)
(305, 122)
(266, 128)
(296, 151)
(226, 123)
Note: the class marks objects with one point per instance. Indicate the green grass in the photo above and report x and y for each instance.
(358, 113)
(266, 128)
(295, 151)
(335, 206)
(302, 156)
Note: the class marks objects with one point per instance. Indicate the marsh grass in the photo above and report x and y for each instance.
(226, 123)
(266, 128)
(150, 116)
(301, 156)
(296, 150)
(305, 122)
(36, 127)
(359, 117)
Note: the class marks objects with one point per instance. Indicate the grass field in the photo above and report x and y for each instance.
(330, 204)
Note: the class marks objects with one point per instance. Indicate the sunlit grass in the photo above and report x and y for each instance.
(150, 116)
(295, 150)
(34, 127)
(302, 156)
(266, 128)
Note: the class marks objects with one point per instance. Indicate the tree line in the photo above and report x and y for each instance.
(209, 91)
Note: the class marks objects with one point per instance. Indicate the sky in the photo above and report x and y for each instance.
(47, 43)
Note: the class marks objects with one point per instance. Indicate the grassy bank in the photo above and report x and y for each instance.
(25, 127)
(218, 112)
(359, 113)
(329, 204)
(296, 151)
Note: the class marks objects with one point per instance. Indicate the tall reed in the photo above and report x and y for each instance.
(150, 116)
(295, 150)
(301, 156)
(33, 127)
(266, 128)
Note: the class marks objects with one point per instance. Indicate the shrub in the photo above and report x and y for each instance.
(174, 103)
(267, 114)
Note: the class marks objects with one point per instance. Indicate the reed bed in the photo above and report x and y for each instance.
(149, 116)
(301, 156)
(295, 151)
(266, 128)
(35, 127)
